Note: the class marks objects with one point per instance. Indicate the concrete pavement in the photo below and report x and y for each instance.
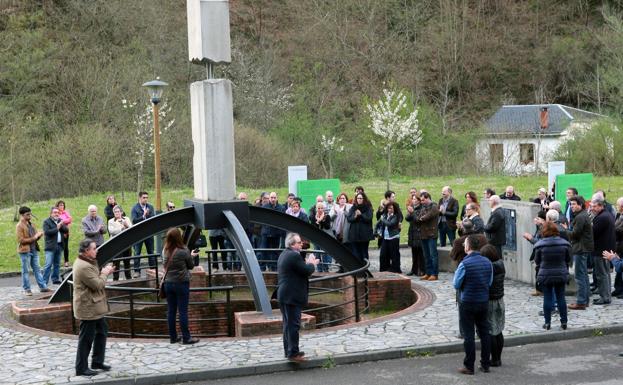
(30, 356)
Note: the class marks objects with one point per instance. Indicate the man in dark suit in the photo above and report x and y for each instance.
(53, 228)
(293, 285)
(604, 240)
(448, 209)
(495, 229)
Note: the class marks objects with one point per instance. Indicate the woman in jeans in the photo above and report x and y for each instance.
(178, 262)
(553, 255)
(496, 313)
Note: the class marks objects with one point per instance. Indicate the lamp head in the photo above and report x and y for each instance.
(155, 89)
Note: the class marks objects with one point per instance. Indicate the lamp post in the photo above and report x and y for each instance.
(155, 89)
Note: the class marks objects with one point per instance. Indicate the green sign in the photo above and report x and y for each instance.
(308, 190)
(582, 182)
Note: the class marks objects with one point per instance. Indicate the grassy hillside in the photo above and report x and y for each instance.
(525, 187)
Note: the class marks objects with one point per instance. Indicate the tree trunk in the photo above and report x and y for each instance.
(389, 165)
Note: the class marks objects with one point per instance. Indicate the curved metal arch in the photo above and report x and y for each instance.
(326, 242)
(141, 231)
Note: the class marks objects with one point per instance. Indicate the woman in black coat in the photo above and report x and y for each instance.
(360, 232)
(390, 232)
(553, 255)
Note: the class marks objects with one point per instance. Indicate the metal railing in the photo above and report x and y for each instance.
(356, 299)
(134, 299)
(359, 300)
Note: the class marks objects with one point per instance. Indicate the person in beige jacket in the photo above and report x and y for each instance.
(90, 306)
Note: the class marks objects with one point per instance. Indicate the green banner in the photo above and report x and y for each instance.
(308, 190)
(582, 182)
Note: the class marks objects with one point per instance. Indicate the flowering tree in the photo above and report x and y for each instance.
(328, 147)
(142, 119)
(394, 120)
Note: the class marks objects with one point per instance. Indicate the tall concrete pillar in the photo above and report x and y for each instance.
(214, 168)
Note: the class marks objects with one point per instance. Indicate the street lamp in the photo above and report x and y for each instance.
(155, 89)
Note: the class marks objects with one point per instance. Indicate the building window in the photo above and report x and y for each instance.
(496, 155)
(526, 153)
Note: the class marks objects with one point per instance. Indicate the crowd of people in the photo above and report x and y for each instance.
(587, 236)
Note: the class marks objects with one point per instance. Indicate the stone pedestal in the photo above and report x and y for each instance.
(252, 323)
(214, 168)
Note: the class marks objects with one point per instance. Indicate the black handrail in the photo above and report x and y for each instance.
(357, 298)
(132, 303)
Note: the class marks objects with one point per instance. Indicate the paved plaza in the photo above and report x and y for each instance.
(45, 358)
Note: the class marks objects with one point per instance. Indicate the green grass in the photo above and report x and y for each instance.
(525, 187)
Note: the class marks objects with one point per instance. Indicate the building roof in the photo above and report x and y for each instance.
(525, 119)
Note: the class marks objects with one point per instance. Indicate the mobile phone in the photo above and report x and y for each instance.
(195, 250)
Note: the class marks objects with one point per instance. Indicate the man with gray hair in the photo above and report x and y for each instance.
(604, 239)
(292, 292)
(555, 205)
(93, 226)
(495, 229)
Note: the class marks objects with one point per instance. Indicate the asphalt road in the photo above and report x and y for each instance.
(584, 361)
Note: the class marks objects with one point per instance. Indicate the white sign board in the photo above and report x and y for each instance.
(553, 169)
(296, 173)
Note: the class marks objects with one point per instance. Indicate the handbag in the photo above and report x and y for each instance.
(161, 292)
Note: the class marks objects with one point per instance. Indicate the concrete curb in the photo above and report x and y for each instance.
(344, 359)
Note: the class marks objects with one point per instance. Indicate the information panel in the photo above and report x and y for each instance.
(510, 217)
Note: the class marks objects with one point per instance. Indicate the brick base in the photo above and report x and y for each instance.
(252, 323)
(387, 292)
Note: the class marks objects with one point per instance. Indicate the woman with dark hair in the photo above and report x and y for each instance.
(553, 255)
(178, 263)
(470, 197)
(66, 218)
(338, 217)
(414, 241)
(390, 232)
(495, 314)
(360, 232)
(111, 202)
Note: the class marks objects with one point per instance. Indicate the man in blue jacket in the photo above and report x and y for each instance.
(292, 292)
(472, 278)
(617, 263)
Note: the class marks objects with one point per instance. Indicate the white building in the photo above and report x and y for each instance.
(515, 143)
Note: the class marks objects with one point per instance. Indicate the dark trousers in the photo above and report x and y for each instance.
(360, 250)
(291, 315)
(497, 344)
(417, 260)
(618, 283)
(554, 292)
(445, 230)
(218, 243)
(149, 246)
(177, 302)
(93, 333)
(475, 315)
(127, 269)
(390, 255)
(66, 247)
(269, 257)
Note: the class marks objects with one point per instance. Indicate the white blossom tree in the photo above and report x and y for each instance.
(394, 120)
(142, 120)
(329, 146)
